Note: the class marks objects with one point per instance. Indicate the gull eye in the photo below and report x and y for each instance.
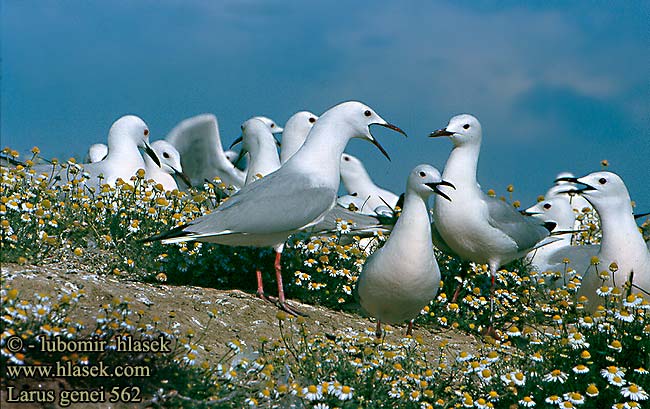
(602, 181)
(547, 206)
(466, 126)
(272, 125)
(146, 132)
(242, 127)
(346, 158)
(367, 113)
(312, 119)
(422, 174)
(165, 155)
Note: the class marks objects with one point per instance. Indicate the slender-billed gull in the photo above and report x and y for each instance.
(295, 132)
(623, 256)
(400, 278)
(170, 166)
(126, 136)
(258, 141)
(295, 197)
(202, 156)
(355, 179)
(475, 226)
(560, 256)
(270, 123)
(96, 152)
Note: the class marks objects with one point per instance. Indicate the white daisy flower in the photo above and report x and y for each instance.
(555, 376)
(634, 392)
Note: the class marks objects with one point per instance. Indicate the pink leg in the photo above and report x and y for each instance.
(281, 300)
(490, 329)
(456, 293)
(409, 329)
(260, 286)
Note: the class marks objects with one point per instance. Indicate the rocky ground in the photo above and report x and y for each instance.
(239, 315)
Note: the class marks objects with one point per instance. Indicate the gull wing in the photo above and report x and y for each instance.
(280, 202)
(198, 141)
(525, 231)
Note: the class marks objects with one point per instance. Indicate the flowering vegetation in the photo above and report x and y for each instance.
(554, 349)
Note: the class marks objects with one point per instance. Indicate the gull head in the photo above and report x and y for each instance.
(358, 117)
(299, 124)
(601, 189)
(256, 135)
(97, 152)
(231, 155)
(134, 129)
(170, 160)
(462, 130)
(270, 123)
(426, 180)
(556, 209)
(351, 167)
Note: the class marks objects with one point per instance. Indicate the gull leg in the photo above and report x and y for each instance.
(378, 330)
(282, 304)
(409, 329)
(260, 286)
(490, 329)
(459, 286)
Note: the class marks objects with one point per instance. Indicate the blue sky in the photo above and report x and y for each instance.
(556, 85)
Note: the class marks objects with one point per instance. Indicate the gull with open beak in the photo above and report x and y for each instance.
(295, 197)
(622, 243)
(402, 277)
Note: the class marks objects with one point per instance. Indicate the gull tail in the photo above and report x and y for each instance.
(175, 235)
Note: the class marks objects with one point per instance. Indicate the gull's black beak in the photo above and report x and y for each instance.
(434, 187)
(236, 141)
(586, 187)
(151, 154)
(376, 142)
(440, 132)
(394, 128)
(183, 177)
(640, 215)
(527, 213)
(567, 179)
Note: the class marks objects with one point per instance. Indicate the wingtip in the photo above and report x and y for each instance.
(550, 226)
(175, 233)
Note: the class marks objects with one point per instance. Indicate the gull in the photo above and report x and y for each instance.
(96, 152)
(400, 278)
(231, 155)
(621, 243)
(356, 179)
(202, 157)
(258, 141)
(123, 160)
(475, 226)
(578, 203)
(270, 123)
(295, 197)
(295, 132)
(552, 256)
(170, 165)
